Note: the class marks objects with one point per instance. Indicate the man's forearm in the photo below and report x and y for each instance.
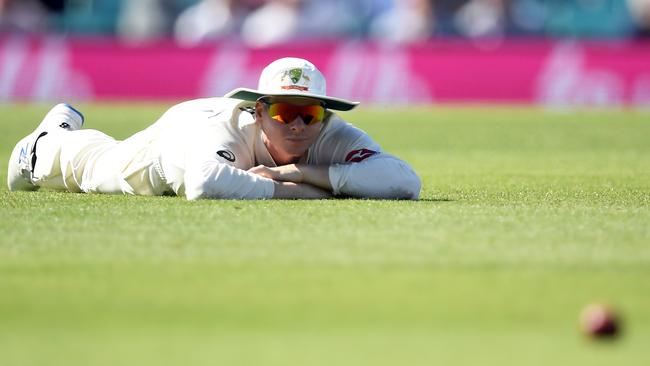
(316, 175)
(289, 190)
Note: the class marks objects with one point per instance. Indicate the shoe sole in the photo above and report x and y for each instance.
(15, 180)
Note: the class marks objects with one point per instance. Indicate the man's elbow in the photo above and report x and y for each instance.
(194, 191)
(404, 182)
(388, 178)
(226, 183)
(197, 187)
(204, 190)
(406, 187)
(403, 187)
(412, 186)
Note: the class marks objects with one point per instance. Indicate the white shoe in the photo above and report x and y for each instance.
(23, 157)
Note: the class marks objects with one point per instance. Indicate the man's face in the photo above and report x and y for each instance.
(288, 140)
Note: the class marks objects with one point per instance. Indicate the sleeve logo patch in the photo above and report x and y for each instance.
(356, 156)
(227, 154)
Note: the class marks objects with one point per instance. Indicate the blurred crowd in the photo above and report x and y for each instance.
(261, 23)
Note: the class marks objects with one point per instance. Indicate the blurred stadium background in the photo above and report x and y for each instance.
(551, 52)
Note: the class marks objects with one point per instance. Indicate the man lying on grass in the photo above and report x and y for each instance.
(280, 141)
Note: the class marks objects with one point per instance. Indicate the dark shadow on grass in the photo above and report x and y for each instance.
(436, 200)
(173, 196)
(342, 198)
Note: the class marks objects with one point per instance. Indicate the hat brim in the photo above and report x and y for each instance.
(329, 102)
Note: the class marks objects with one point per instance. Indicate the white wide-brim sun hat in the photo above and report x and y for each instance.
(292, 77)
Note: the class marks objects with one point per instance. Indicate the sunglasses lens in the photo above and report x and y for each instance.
(285, 113)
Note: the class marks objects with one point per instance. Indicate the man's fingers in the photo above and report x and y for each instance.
(256, 168)
(286, 173)
(261, 170)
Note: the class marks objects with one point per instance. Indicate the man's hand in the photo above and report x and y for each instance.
(315, 175)
(284, 173)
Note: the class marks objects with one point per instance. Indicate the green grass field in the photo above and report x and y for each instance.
(526, 216)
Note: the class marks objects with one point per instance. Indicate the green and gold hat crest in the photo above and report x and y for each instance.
(295, 75)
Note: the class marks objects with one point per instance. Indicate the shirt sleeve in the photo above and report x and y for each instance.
(216, 167)
(379, 176)
(359, 168)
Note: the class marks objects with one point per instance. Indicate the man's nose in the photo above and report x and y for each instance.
(297, 124)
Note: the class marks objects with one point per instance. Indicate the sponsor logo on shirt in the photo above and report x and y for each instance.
(227, 154)
(356, 156)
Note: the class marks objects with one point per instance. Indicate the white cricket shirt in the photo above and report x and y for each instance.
(204, 148)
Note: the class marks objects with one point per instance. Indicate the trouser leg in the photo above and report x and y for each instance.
(104, 165)
(63, 158)
(93, 162)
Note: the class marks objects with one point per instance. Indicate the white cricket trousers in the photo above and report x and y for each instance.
(91, 161)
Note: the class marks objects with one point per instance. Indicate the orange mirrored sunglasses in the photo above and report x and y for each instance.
(286, 113)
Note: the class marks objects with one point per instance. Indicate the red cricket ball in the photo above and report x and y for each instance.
(600, 321)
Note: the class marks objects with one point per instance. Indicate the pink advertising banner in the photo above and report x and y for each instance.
(513, 71)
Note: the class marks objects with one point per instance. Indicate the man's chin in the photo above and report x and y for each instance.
(295, 153)
(296, 147)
